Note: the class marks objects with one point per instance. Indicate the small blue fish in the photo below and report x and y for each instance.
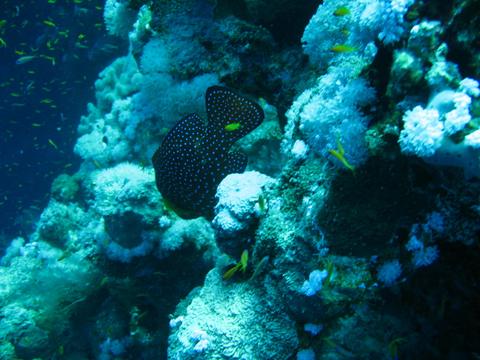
(194, 156)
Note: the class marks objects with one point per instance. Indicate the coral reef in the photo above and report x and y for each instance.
(222, 321)
(353, 233)
(240, 203)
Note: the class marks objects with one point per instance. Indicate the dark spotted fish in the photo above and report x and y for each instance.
(194, 156)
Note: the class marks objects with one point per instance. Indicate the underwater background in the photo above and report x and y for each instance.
(240, 179)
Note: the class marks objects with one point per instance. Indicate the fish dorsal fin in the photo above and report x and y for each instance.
(231, 115)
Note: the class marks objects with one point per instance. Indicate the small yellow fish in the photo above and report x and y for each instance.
(244, 261)
(49, 23)
(342, 48)
(15, 94)
(104, 281)
(3, 43)
(46, 101)
(20, 52)
(339, 154)
(77, 1)
(52, 1)
(241, 265)
(36, 124)
(262, 205)
(233, 126)
(164, 131)
(81, 36)
(342, 11)
(230, 272)
(394, 345)
(3, 23)
(50, 141)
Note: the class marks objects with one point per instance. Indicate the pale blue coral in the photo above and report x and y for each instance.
(306, 354)
(389, 272)
(330, 112)
(367, 20)
(113, 348)
(314, 283)
(313, 329)
(421, 236)
(155, 57)
(425, 256)
(435, 222)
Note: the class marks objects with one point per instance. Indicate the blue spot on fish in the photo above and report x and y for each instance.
(194, 156)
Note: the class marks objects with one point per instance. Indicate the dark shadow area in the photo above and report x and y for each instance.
(365, 209)
(285, 20)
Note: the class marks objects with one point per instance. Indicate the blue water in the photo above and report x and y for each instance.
(43, 99)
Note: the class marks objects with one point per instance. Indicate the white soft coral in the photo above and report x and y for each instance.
(422, 133)
(427, 132)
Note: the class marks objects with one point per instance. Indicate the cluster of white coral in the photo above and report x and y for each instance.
(427, 132)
